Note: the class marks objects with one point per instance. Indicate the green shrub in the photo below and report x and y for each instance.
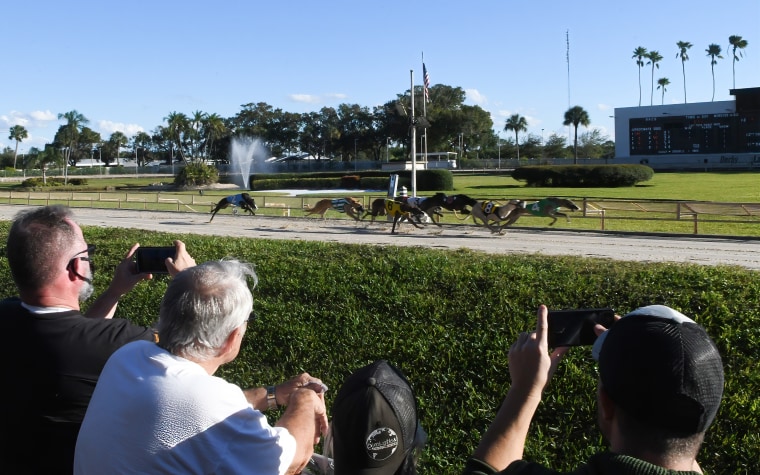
(350, 181)
(583, 175)
(37, 182)
(197, 174)
(427, 180)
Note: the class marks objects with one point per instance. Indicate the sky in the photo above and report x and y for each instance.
(126, 65)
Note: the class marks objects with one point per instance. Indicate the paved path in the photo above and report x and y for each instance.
(694, 250)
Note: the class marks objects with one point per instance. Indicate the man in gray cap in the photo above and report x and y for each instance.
(660, 386)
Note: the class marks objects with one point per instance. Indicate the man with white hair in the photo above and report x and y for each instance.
(159, 409)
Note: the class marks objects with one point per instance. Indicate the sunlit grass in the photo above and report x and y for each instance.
(447, 318)
(729, 187)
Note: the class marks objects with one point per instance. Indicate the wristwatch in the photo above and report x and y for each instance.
(271, 398)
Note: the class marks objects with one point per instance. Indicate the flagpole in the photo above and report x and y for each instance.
(424, 107)
(414, 137)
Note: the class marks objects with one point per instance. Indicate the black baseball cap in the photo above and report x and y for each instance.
(374, 421)
(662, 368)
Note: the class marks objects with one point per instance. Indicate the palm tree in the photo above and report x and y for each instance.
(654, 58)
(141, 140)
(177, 125)
(576, 116)
(640, 53)
(683, 46)
(519, 124)
(212, 129)
(713, 51)
(74, 123)
(739, 44)
(661, 83)
(17, 133)
(49, 156)
(194, 132)
(116, 141)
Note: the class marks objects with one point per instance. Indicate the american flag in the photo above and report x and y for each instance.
(426, 81)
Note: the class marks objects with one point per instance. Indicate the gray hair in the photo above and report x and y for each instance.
(39, 239)
(203, 305)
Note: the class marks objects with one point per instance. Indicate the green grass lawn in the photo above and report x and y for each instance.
(739, 187)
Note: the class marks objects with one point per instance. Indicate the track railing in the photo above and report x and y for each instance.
(609, 214)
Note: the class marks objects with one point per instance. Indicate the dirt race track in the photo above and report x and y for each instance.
(744, 252)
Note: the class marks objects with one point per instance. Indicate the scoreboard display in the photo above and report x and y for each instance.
(691, 134)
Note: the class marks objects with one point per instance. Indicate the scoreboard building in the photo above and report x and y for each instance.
(704, 135)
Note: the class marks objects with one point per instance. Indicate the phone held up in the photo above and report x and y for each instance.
(576, 327)
(152, 260)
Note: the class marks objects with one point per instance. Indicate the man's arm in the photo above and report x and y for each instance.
(257, 397)
(306, 419)
(126, 278)
(530, 367)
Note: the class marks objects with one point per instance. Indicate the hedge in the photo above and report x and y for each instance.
(427, 180)
(583, 175)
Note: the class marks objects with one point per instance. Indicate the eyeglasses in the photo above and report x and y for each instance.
(252, 316)
(90, 251)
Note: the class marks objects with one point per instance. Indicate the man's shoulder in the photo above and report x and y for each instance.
(10, 302)
(114, 330)
(92, 333)
(603, 463)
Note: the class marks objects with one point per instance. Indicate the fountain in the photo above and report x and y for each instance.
(244, 151)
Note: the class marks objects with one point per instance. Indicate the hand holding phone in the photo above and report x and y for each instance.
(152, 260)
(576, 327)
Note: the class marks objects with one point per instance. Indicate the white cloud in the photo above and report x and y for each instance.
(533, 122)
(317, 99)
(34, 119)
(34, 122)
(43, 116)
(106, 128)
(475, 96)
(307, 98)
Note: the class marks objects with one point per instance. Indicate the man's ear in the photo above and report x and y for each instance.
(73, 269)
(231, 345)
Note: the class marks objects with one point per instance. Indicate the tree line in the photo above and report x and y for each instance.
(347, 132)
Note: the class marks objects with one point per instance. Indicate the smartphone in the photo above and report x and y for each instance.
(576, 327)
(152, 260)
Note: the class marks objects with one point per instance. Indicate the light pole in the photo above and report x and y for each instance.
(355, 140)
(498, 138)
(387, 149)
(542, 143)
(65, 166)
